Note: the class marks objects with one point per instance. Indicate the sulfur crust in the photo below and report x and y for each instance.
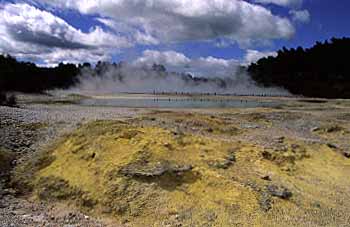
(91, 159)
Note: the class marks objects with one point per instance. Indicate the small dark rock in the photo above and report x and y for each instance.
(295, 146)
(346, 154)
(279, 191)
(333, 146)
(317, 205)
(210, 130)
(280, 139)
(168, 146)
(266, 177)
(231, 157)
(315, 129)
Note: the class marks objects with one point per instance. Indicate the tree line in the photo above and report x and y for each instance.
(320, 71)
(27, 77)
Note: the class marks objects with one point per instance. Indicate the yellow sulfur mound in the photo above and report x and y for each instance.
(150, 176)
(147, 176)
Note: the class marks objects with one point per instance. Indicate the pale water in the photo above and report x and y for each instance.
(177, 103)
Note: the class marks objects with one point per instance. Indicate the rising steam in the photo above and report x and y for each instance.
(130, 78)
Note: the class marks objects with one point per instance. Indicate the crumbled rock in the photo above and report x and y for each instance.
(156, 170)
(265, 202)
(285, 154)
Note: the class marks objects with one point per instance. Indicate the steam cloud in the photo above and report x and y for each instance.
(131, 78)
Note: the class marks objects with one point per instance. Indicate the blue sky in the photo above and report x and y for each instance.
(175, 33)
(327, 19)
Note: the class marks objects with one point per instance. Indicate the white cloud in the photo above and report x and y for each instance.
(285, 3)
(253, 56)
(68, 56)
(168, 58)
(28, 32)
(200, 67)
(164, 21)
(301, 16)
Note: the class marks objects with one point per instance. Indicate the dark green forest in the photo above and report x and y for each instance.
(27, 77)
(320, 71)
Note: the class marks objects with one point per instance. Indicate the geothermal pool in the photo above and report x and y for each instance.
(180, 103)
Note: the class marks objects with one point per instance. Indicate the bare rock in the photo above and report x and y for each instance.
(332, 146)
(279, 191)
(315, 129)
(157, 170)
(266, 177)
(280, 139)
(346, 154)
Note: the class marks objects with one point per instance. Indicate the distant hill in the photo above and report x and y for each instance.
(321, 71)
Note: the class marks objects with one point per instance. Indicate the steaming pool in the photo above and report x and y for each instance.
(177, 103)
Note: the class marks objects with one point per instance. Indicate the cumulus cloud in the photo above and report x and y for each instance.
(252, 56)
(164, 21)
(168, 58)
(301, 16)
(208, 67)
(28, 32)
(285, 3)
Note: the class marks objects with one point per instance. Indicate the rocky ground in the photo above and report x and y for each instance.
(284, 135)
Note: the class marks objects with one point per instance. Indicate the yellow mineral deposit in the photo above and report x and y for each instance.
(143, 173)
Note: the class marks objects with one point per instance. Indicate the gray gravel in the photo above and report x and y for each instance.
(58, 119)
